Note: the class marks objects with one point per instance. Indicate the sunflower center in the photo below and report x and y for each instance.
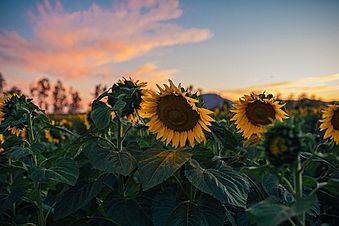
(176, 113)
(260, 113)
(278, 145)
(335, 119)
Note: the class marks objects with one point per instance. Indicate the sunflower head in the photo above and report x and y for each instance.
(282, 144)
(52, 137)
(175, 116)
(12, 114)
(330, 123)
(129, 92)
(253, 113)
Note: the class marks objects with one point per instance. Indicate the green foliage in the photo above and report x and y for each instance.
(157, 166)
(223, 183)
(110, 161)
(115, 172)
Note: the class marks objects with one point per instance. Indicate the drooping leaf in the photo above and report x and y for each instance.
(76, 197)
(64, 170)
(223, 183)
(101, 114)
(271, 213)
(110, 161)
(157, 166)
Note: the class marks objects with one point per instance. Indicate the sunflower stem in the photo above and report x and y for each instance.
(298, 186)
(119, 140)
(37, 185)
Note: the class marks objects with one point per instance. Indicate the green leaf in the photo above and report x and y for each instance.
(127, 212)
(223, 183)
(119, 106)
(157, 166)
(167, 210)
(101, 114)
(17, 153)
(38, 148)
(224, 135)
(270, 182)
(76, 198)
(64, 170)
(110, 161)
(271, 213)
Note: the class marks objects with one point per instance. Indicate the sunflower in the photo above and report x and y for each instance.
(282, 144)
(8, 112)
(2, 140)
(175, 116)
(330, 122)
(128, 91)
(253, 113)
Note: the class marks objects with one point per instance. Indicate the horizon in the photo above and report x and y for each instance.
(225, 47)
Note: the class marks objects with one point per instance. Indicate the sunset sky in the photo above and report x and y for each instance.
(227, 46)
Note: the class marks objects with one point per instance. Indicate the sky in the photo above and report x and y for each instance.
(230, 47)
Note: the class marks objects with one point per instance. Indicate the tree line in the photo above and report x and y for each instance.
(52, 97)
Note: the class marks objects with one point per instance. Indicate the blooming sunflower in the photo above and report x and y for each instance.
(175, 116)
(15, 124)
(330, 122)
(253, 113)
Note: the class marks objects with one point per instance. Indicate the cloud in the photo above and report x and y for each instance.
(326, 87)
(152, 75)
(72, 44)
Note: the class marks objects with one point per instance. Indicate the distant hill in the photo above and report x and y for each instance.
(213, 101)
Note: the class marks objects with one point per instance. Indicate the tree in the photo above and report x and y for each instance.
(14, 90)
(74, 106)
(59, 98)
(2, 83)
(99, 89)
(41, 92)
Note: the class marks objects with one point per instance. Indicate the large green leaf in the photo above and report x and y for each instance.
(76, 197)
(127, 212)
(169, 211)
(17, 153)
(157, 166)
(110, 161)
(271, 213)
(223, 183)
(64, 170)
(101, 114)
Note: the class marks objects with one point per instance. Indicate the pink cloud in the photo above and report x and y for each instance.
(72, 44)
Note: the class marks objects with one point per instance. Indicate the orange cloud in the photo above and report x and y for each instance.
(72, 44)
(326, 87)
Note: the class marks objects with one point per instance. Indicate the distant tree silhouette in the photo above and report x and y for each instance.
(13, 90)
(2, 83)
(99, 89)
(41, 92)
(59, 98)
(74, 106)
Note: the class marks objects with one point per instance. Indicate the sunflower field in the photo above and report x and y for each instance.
(140, 157)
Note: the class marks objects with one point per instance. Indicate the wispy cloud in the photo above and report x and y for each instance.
(326, 87)
(72, 44)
